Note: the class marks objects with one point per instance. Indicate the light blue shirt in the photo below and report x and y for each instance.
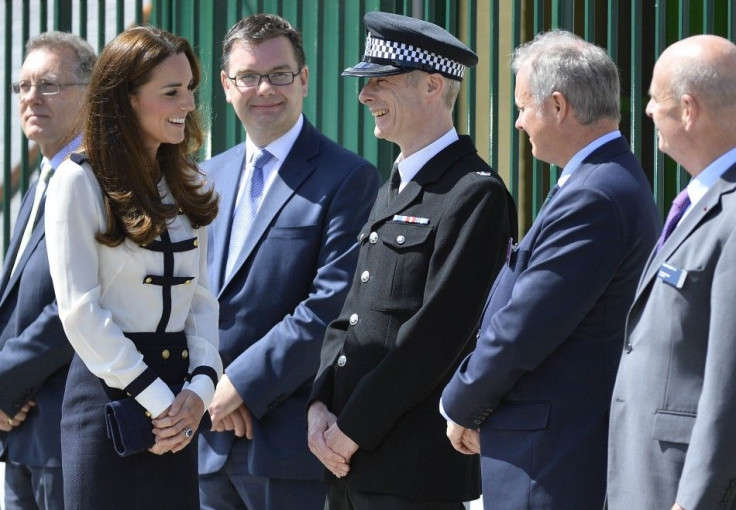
(699, 185)
(583, 153)
(65, 151)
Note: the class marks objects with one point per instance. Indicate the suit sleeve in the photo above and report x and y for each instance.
(569, 267)
(470, 246)
(288, 355)
(26, 361)
(709, 473)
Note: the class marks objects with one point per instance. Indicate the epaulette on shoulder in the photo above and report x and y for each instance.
(79, 157)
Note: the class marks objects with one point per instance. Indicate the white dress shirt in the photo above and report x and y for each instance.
(101, 294)
(409, 167)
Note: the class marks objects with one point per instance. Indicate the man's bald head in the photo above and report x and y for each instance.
(693, 100)
(703, 66)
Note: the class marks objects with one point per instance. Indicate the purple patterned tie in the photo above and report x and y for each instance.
(679, 205)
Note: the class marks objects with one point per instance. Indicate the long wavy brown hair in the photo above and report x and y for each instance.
(114, 144)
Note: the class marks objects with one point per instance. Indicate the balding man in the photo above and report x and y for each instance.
(34, 352)
(673, 415)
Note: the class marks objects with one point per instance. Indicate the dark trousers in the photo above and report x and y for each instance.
(340, 497)
(235, 488)
(33, 488)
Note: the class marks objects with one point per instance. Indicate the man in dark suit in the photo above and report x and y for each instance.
(281, 255)
(34, 352)
(673, 413)
(435, 238)
(539, 382)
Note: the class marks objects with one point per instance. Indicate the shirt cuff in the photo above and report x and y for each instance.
(202, 385)
(156, 397)
(443, 413)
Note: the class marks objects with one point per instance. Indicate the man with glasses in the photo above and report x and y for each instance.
(281, 255)
(34, 352)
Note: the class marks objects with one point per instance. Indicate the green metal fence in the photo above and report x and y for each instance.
(634, 32)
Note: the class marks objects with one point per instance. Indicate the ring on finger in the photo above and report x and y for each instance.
(189, 432)
(10, 421)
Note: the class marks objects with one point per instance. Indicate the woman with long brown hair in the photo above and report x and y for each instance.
(127, 247)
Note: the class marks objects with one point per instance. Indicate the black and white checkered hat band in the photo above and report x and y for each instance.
(383, 51)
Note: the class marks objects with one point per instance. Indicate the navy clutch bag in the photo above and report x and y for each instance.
(130, 429)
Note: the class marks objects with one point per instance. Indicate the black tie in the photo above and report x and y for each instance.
(395, 182)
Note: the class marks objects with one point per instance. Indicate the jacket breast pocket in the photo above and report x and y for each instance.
(401, 266)
(673, 426)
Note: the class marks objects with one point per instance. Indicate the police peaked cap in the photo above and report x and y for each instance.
(399, 44)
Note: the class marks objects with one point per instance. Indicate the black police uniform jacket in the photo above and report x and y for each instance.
(427, 261)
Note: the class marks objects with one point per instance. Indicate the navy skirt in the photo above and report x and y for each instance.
(95, 477)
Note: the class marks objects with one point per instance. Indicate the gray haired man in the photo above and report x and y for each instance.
(34, 352)
(538, 385)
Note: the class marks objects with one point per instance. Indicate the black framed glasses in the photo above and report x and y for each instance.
(45, 87)
(278, 78)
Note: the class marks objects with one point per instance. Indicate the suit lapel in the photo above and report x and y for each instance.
(36, 236)
(23, 217)
(293, 171)
(726, 184)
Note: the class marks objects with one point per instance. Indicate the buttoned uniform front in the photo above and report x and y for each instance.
(34, 351)
(673, 410)
(406, 324)
(104, 292)
(539, 382)
(288, 283)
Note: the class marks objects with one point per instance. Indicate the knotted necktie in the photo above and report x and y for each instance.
(679, 205)
(247, 207)
(394, 182)
(43, 180)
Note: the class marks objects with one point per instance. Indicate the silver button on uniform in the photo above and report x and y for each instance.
(342, 360)
(400, 239)
(365, 276)
(354, 319)
(373, 238)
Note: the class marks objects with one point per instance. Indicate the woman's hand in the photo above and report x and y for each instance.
(174, 428)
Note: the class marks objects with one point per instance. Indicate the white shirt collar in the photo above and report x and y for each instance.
(279, 149)
(409, 167)
(583, 153)
(699, 185)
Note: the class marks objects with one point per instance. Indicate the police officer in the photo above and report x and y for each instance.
(435, 239)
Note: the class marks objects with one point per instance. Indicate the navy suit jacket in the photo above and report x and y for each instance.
(539, 382)
(34, 351)
(290, 281)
